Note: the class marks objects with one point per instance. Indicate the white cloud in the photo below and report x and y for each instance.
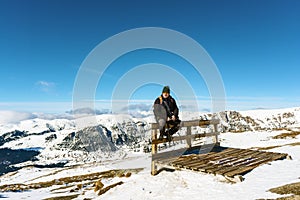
(12, 117)
(7, 116)
(43, 107)
(44, 83)
(45, 86)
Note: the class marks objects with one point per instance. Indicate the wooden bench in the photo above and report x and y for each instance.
(188, 138)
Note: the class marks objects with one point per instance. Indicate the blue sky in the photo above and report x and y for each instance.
(255, 45)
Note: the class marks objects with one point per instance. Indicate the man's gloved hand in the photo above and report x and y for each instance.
(173, 117)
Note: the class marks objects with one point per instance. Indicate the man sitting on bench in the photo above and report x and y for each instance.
(166, 114)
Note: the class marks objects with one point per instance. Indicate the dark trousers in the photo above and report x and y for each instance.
(172, 126)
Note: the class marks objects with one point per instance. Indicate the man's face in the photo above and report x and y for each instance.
(165, 95)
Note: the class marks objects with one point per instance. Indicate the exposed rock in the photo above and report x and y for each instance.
(89, 139)
(17, 134)
(234, 121)
(51, 138)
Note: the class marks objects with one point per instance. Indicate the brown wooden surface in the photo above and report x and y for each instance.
(203, 149)
(192, 123)
(229, 162)
(185, 137)
(154, 151)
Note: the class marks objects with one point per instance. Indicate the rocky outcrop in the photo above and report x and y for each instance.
(233, 121)
(88, 139)
(17, 134)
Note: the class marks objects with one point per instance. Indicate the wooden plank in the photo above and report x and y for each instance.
(235, 167)
(231, 160)
(223, 153)
(190, 159)
(193, 156)
(253, 165)
(191, 123)
(186, 159)
(168, 160)
(185, 137)
(169, 154)
(216, 130)
(269, 157)
(211, 157)
(241, 159)
(195, 123)
(153, 151)
(201, 135)
(188, 137)
(220, 168)
(214, 166)
(234, 158)
(182, 151)
(183, 162)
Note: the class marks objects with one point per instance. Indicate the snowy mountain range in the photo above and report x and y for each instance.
(60, 139)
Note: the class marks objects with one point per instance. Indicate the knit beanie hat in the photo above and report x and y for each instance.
(166, 90)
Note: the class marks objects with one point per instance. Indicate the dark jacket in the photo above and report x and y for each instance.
(165, 107)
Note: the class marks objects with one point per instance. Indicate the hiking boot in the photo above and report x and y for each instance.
(161, 135)
(169, 137)
(173, 130)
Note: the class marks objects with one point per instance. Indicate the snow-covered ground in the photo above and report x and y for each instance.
(177, 184)
(166, 185)
(194, 185)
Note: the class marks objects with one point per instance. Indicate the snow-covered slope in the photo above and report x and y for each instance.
(61, 139)
(180, 184)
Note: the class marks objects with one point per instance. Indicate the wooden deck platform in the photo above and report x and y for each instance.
(231, 163)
